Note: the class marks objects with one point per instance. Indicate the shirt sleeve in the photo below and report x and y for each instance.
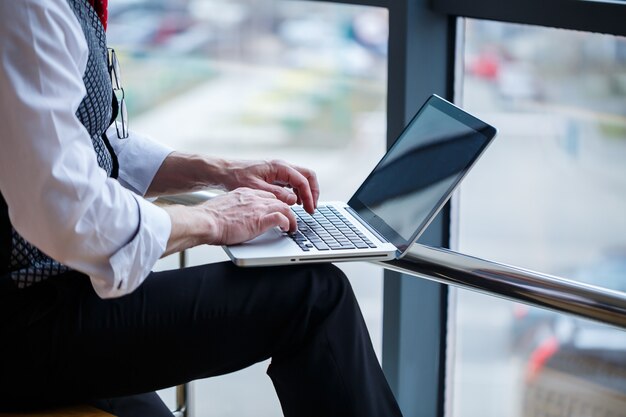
(139, 159)
(59, 199)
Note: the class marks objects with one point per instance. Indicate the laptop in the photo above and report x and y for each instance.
(395, 203)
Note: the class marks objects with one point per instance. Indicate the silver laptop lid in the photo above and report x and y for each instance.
(416, 177)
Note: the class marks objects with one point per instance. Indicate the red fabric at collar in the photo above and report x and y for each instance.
(100, 6)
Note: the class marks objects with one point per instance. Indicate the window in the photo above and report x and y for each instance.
(549, 196)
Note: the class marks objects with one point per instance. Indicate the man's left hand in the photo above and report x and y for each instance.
(289, 183)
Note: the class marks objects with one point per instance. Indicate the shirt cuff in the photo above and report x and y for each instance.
(139, 159)
(133, 263)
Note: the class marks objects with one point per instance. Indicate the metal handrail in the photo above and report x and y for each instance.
(187, 199)
(513, 283)
(491, 278)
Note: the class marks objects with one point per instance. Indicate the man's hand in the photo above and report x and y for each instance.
(289, 183)
(244, 213)
(235, 217)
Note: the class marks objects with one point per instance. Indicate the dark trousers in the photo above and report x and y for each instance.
(60, 343)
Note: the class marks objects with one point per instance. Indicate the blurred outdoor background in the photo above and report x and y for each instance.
(307, 82)
(549, 195)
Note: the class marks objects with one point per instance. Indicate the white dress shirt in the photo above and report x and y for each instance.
(59, 199)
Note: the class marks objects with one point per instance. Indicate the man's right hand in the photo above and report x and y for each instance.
(235, 217)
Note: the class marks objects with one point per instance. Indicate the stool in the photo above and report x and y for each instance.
(77, 411)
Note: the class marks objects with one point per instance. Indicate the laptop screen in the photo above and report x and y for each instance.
(419, 173)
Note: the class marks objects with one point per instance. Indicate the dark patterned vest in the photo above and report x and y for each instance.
(19, 260)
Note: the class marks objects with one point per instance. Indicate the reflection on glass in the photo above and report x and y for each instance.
(548, 196)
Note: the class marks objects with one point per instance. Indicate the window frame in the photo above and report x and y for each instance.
(599, 16)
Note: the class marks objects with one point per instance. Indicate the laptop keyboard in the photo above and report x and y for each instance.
(327, 229)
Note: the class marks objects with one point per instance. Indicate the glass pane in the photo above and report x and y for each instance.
(548, 195)
(300, 81)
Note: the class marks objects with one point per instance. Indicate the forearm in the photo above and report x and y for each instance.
(181, 173)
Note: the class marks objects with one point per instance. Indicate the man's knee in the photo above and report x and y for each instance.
(330, 277)
(320, 294)
(330, 286)
(330, 271)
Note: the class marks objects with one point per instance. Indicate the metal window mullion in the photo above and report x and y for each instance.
(421, 62)
(584, 15)
(374, 3)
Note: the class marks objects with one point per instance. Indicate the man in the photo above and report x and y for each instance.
(82, 317)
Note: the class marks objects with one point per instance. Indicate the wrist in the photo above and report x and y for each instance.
(214, 172)
(207, 226)
(191, 226)
(182, 172)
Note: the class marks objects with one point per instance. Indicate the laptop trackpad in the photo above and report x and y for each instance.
(271, 236)
(268, 245)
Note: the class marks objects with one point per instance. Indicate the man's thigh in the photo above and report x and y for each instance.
(179, 325)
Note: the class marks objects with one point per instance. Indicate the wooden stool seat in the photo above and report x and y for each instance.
(77, 411)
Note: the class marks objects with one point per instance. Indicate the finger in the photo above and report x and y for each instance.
(283, 194)
(313, 183)
(274, 219)
(286, 211)
(293, 177)
(293, 222)
(298, 195)
(255, 192)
